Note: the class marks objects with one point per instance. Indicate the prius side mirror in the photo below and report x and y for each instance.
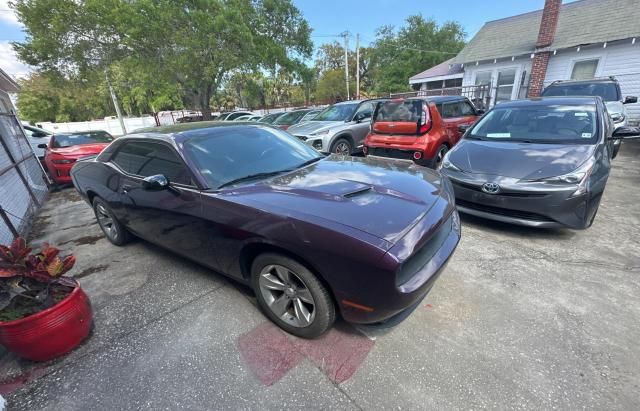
(157, 182)
(630, 100)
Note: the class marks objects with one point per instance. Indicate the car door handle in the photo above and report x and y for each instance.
(126, 188)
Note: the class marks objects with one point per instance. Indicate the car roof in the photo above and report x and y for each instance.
(436, 99)
(180, 132)
(545, 101)
(361, 101)
(586, 81)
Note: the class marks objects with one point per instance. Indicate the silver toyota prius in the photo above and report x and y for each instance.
(539, 162)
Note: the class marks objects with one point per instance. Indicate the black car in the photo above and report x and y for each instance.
(540, 162)
(312, 234)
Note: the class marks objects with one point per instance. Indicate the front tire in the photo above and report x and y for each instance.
(113, 229)
(342, 147)
(292, 296)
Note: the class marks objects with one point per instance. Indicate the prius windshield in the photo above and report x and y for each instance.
(553, 123)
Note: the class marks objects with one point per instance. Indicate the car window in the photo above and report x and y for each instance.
(338, 112)
(291, 117)
(466, 109)
(608, 91)
(148, 159)
(399, 111)
(449, 110)
(365, 111)
(561, 124)
(227, 154)
(76, 139)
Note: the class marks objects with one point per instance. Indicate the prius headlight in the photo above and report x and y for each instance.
(580, 176)
(448, 165)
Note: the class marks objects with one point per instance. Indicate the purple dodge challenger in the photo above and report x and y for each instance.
(314, 236)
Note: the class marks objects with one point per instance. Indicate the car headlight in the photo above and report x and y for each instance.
(617, 117)
(321, 132)
(447, 164)
(580, 176)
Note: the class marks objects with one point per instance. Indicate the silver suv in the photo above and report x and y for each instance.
(340, 128)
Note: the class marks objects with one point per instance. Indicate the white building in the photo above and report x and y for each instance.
(517, 56)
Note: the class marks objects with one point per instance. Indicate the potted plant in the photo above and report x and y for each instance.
(42, 314)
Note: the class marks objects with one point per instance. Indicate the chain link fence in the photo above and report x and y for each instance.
(23, 186)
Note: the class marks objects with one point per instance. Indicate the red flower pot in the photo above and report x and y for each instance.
(52, 332)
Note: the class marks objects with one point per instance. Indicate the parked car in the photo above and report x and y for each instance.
(340, 128)
(37, 137)
(248, 117)
(63, 150)
(310, 115)
(270, 118)
(189, 118)
(304, 230)
(232, 116)
(290, 118)
(541, 163)
(606, 88)
(419, 129)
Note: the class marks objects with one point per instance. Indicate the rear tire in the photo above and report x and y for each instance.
(436, 162)
(113, 229)
(292, 296)
(342, 147)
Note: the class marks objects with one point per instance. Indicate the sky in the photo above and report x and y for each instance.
(331, 17)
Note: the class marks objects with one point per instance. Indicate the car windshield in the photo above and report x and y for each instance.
(270, 118)
(608, 91)
(338, 112)
(227, 154)
(291, 118)
(553, 123)
(403, 111)
(76, 139)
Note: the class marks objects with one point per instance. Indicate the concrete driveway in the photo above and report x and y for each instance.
(521, 319)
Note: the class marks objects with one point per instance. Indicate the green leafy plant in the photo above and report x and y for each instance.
(31, 282)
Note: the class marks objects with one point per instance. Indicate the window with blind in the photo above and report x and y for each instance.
(584, 70)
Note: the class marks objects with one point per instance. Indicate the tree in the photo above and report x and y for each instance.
(396, 55)
(196, 43)
(331, 86)
(330, 56)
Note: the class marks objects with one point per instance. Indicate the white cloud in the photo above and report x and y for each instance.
(7, 15)
(10, 62)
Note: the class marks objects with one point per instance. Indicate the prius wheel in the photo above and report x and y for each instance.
(342, 147)
(292, 296)
(436, 161)
(111, 227)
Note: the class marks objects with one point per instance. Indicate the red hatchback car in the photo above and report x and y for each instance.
(419, 129)
(64, 150)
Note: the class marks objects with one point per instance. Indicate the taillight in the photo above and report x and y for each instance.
(425, 120)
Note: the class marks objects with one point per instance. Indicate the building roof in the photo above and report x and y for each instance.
(581, 22)
(7, 84)
(446, 69)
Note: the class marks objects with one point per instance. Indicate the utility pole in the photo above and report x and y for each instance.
(115, 103)
(345, 35)
(358, 65)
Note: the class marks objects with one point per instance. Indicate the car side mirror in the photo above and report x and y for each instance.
(157, 182)
(630, 100)
(626, 132)
(480, 111)
(463, 128)
(42, 146)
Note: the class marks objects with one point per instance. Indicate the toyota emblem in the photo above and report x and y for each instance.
(491, 188)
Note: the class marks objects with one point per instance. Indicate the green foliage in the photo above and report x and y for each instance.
(331, 86)
(396, 55)
(194, 44)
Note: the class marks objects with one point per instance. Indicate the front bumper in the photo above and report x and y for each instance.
(396, 301)
(60, 173)
(528, 204)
